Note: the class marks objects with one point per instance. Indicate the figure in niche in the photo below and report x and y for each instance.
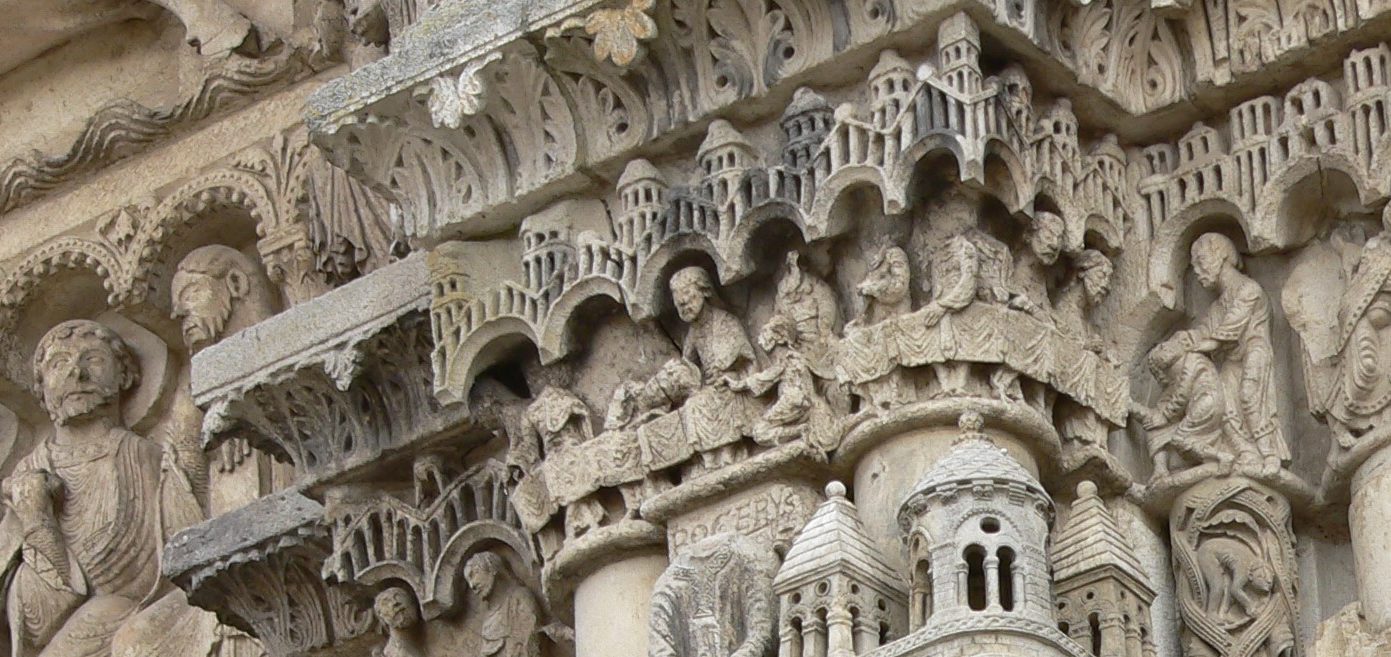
(811, 305)
(863, 354)
(217, 291)
(89, 513)
(509, 612)
(1361, 395)
(1036, 267)
(717, 344)
(716, 600)
(1188, 422)
(1236, 332)
(798, 412)
(967, 268)
(397, 612)
(556, 420)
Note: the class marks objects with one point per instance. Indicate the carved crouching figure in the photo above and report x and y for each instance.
(1234, 574)
(798, 411)
(85, 580)
(1188, 421)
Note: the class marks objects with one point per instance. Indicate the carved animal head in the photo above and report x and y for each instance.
(887, 281)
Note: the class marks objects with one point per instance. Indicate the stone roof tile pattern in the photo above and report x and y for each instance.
(833, 540)
(1092, 540)
(974, 457)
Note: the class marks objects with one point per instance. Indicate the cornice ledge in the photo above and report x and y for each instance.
(322, 332)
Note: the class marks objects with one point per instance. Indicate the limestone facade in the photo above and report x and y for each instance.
(695, 328)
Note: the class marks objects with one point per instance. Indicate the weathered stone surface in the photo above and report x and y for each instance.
(695, 328)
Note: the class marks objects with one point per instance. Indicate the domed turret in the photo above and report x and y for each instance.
(642, 192)
(805, 124)
(890, 83)
(724, 157)
(976, 531)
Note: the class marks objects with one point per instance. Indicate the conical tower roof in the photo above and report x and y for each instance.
(1091, 540)
(974, 457)
(834, 540)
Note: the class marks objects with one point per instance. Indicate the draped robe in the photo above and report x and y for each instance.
(119, 507)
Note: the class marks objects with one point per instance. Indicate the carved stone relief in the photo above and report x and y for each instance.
(708, 328)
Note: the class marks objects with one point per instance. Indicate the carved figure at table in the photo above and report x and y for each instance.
(799, 411)
(89, 511)
(966, 268)
(216, 292)
(398, 614)
(716, 600)
(1083, 294)
(885, 288)
(717, 344)
(1189, 421)
(556, 420)
(811, 304)
(1236, 331)
(510, 615)
(886, 292)
(1089, 283)
(715, 339)
(634, 403)
(1037, 266)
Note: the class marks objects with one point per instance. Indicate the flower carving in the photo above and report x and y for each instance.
(618, 33)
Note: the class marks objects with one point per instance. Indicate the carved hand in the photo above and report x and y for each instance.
(32, 493)
(933, 313)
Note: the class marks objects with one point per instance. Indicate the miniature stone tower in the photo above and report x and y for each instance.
(837, 595)
(642, 195)
(976, 531)
(1103, 595)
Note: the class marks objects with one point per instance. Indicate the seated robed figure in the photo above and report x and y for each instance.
(88, 512)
